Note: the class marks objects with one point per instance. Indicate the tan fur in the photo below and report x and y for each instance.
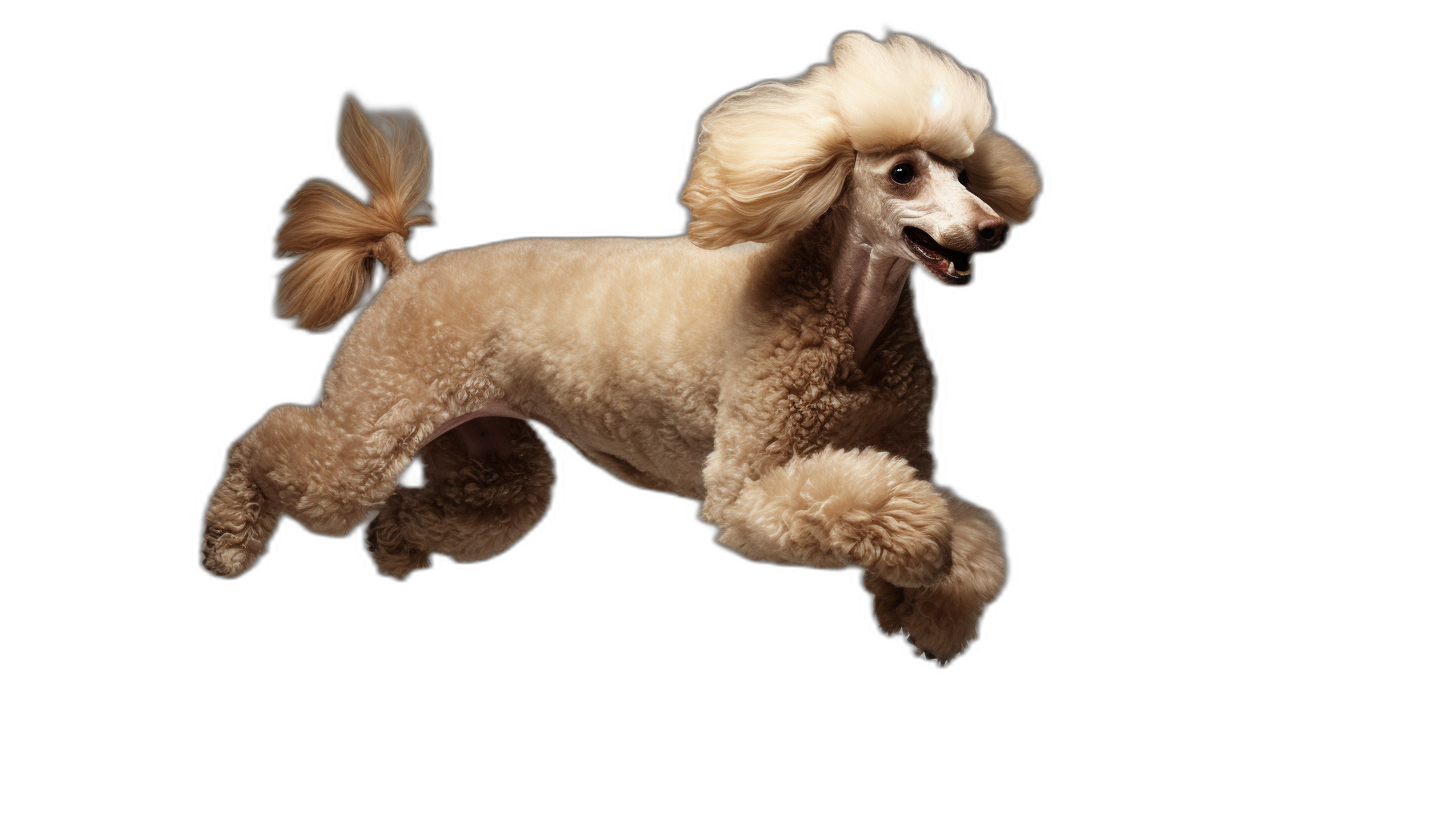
(727, 375)
(336, 233)
(1001, 174)
(940, 619)
(874, 97)
(470, 509)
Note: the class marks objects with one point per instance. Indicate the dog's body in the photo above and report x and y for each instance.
(639, 308)
(768, 364)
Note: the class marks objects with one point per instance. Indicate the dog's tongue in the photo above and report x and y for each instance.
(936, 261)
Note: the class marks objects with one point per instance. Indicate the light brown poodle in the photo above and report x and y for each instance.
(767, 364)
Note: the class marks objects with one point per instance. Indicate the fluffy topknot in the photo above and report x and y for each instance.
(772, 158)
(903, 92)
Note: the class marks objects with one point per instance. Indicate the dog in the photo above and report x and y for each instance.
(767, 364)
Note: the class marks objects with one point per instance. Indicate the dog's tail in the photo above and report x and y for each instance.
(339, 236)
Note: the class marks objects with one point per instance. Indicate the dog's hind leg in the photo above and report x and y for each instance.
(240, 521)
(487, 483)
(327, 465)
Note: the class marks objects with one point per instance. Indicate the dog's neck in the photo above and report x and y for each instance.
(865, 281)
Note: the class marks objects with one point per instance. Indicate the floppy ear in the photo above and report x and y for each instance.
(1003, 176)
(771, 159)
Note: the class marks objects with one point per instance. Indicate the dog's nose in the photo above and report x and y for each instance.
(991, 232)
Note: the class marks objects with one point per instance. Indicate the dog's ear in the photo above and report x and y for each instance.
(771, 159)
(1003, 176)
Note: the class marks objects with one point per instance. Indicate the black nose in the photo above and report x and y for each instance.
(991, 233)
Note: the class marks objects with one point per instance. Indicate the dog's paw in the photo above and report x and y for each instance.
(887, 600)
(226, 553)
(239, 524)
(393, 554)
(940, 619)
(863, 508)
(935, 633)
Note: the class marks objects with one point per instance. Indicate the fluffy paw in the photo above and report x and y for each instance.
(940, 620)
(863, 507)
(935, 621)
(392, 553)
(227, 554)
(239, 524)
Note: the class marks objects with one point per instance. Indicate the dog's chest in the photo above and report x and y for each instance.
(825, 398)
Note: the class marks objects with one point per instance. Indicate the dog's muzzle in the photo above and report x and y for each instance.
(951, 261)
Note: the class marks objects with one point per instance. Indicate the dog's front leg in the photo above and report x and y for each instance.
(932, 560)
(780, 493)
(839, 508)
(779, 489)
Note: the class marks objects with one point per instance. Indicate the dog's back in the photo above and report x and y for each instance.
(618, 344)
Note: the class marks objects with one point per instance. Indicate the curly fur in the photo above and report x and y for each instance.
(860, 507)
(782, 383)
(470, 509)
(940, 619)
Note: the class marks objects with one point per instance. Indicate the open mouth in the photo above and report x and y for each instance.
(947, 264)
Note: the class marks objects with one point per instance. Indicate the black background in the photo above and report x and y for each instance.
(1043, 413)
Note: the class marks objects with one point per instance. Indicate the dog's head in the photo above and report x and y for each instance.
(896, 134)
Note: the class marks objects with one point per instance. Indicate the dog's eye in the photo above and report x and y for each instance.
(964, 179)
(902, 173)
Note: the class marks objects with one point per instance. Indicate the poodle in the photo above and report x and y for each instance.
(767, 364)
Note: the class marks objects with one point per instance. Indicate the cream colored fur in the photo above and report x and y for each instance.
(768, 380)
